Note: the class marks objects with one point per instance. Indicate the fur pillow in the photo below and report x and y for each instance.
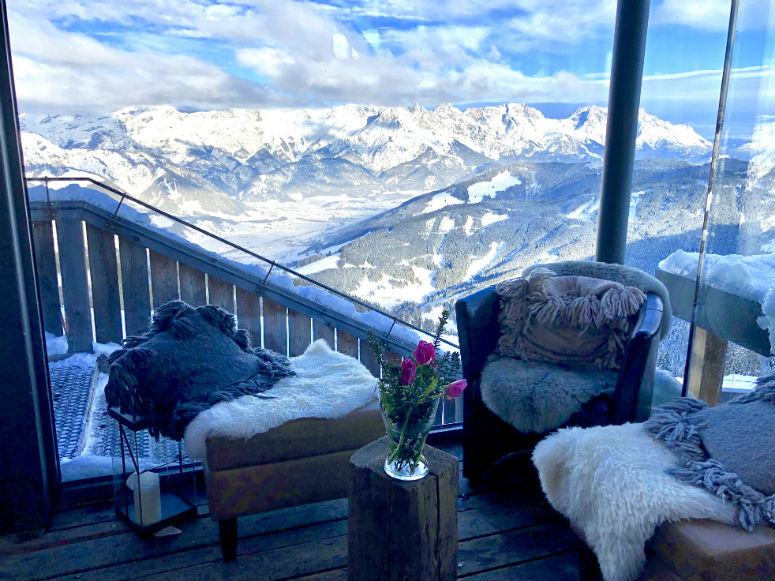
(566, 319)
(728, 449)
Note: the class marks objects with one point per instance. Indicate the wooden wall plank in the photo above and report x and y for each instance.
(75, 290)
(392, 358)
(135, 287)
(299, 334)
(192, 285)
(164, 279)
(275, 334)
(346, 343)
(106, 300)
(45, 260)
(249, 314)
(220, 293)
(322, 330)
(369, 359)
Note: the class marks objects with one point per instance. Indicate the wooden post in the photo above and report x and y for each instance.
(135, 287)
(45, 259)
(369, 359)
(221, 293)
(397, 529)
(346, 343)
(164, 279)
(275, 331)
(249, 314)
(706, 368)
(321, 330)
(299, 333)
(75, 287)
(192, 285)
(104, 285)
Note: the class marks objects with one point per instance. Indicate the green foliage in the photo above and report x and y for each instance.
(414, 402)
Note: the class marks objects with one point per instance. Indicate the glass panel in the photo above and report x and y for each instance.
(739, 254)
(477, 128)
(732, 208)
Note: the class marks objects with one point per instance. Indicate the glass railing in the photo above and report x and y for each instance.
(718, 254)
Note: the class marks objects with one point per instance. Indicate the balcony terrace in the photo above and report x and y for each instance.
(505, 530)
(89, 271)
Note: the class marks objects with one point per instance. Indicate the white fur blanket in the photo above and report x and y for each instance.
(611, 484)
(327, 384)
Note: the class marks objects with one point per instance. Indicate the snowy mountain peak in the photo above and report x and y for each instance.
(248, 153)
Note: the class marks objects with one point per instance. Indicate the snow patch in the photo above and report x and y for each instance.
(491, 218)
(319, 265)
(389, 295)
(439, 201)
(446, 224)
(477, 265)
(501, 182)
(584, 212)
(469, 225)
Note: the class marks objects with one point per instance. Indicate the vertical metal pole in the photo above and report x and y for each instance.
(621, 128)
(30, 471)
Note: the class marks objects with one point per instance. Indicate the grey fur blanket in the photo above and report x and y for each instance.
(190, 359)
(729, 450)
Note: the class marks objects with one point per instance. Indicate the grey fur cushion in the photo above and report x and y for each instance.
(534, 396)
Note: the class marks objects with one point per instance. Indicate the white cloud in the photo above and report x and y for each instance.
(711, 15)
(113, 53)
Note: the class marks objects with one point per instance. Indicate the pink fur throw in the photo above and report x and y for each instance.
(566, 319)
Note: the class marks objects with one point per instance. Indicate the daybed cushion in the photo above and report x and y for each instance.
(297, 439)
(729, 449)
(702, 549)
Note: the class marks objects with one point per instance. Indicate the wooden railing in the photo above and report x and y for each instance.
(114, 272)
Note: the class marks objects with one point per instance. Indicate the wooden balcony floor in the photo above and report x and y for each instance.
(506, 531)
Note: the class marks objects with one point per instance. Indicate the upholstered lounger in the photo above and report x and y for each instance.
(299, 462)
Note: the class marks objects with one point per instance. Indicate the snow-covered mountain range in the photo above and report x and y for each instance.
(210, 161)
(407, 207)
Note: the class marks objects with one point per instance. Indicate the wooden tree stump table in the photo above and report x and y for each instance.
(402, 530)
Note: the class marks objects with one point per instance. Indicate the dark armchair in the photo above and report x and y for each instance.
(486, 436)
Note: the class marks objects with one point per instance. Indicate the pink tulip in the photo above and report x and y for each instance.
(424, 353)
(408, 370)
(455, 388)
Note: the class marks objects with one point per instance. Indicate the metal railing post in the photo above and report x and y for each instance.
(621, 129)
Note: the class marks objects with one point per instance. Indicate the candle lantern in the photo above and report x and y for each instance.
(153, 485)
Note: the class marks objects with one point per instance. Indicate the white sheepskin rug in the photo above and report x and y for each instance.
(610, 482)
(327, 385)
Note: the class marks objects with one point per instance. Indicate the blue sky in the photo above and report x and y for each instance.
(87, 55)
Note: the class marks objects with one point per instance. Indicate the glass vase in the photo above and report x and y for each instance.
(406, 433)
